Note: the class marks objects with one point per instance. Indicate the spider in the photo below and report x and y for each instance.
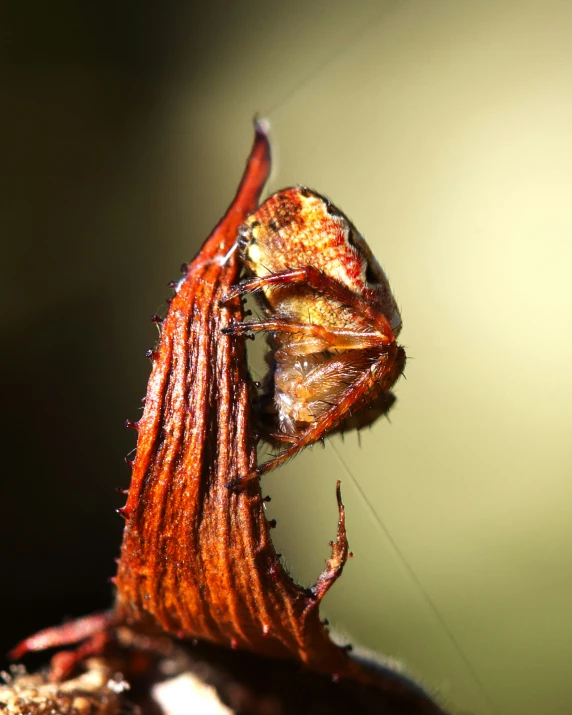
(331, 318)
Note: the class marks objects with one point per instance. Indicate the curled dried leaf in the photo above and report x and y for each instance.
(197, 561)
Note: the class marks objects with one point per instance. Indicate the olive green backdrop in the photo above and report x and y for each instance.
(443, 129)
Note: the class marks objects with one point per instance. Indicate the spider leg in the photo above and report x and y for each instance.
(313, 278)
(378, 402)
(320, 338)
(329, 419)
(278, 326)
(275, 436)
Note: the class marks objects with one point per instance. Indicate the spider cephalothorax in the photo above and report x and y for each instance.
(331, 317)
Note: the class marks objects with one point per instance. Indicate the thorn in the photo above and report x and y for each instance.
(325, 622)
(122, 511)
(247, 313)
(112, 580)
(267, 499)
(348, 647)
(120, 490)
(169, 301)
(129, 462)
(184, 268)
(153, 354)
(131, 425)
(156, 319)
(351, 555)
(272, 523)
(172, 284)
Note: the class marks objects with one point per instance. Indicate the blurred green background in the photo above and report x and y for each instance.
(443, 129)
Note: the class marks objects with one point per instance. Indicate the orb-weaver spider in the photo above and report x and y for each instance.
(331, 318)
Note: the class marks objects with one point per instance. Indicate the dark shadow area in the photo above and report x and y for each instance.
(83, 222)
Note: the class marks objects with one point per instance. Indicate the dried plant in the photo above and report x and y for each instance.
(197, 561)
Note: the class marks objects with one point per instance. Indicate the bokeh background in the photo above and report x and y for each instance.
(443, 129)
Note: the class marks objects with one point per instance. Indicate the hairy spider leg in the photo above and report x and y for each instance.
(320, 338)
(313, 278)
(379, 402)
(333, 416)
(382, 373)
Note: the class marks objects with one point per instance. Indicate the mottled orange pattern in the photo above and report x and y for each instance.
(297, 227)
